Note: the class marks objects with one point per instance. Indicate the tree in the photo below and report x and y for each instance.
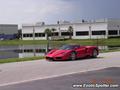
(47, 32)
(70, 30)
(53, 31)
(19, 34)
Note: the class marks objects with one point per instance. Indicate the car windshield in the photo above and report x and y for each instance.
(68, 47)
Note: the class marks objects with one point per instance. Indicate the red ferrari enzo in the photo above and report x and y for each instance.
(72, 52)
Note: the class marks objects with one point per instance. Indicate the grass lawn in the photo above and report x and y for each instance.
(22, 42)
(10, 60)
(113, 50)
(109, 42)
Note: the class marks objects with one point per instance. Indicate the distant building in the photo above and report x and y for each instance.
(93, 29)
(8, 31)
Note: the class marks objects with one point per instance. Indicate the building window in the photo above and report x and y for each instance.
(98, 32)
(112, 32)
(36, 34)
(27, 35)
(42, 34)
(66, 33)
(24, 35)
(30, 35)
(39, 34)
(82, 33)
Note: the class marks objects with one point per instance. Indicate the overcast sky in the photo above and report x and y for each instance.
(31, 11)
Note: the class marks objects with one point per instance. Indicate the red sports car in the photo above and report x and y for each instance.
(72, 52)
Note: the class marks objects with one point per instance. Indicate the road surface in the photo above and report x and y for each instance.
(105, 79)
(23, 72)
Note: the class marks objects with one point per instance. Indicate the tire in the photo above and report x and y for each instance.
(94, 53)
(73, 56)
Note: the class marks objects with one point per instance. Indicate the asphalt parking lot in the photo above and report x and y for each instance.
(104, 79)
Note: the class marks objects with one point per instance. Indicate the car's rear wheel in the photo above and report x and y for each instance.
(73, 56)
(94, 53)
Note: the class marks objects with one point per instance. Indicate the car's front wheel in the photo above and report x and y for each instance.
(73, 56)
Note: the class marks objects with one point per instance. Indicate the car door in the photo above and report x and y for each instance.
(81, 52)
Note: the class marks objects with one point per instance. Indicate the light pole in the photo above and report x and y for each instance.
(90, 31)
(118, 30)
(59, 28)
(33, 32)
(34, 51)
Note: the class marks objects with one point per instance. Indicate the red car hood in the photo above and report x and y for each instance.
(58, 52)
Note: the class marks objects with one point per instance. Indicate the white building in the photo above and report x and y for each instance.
(103, 28)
